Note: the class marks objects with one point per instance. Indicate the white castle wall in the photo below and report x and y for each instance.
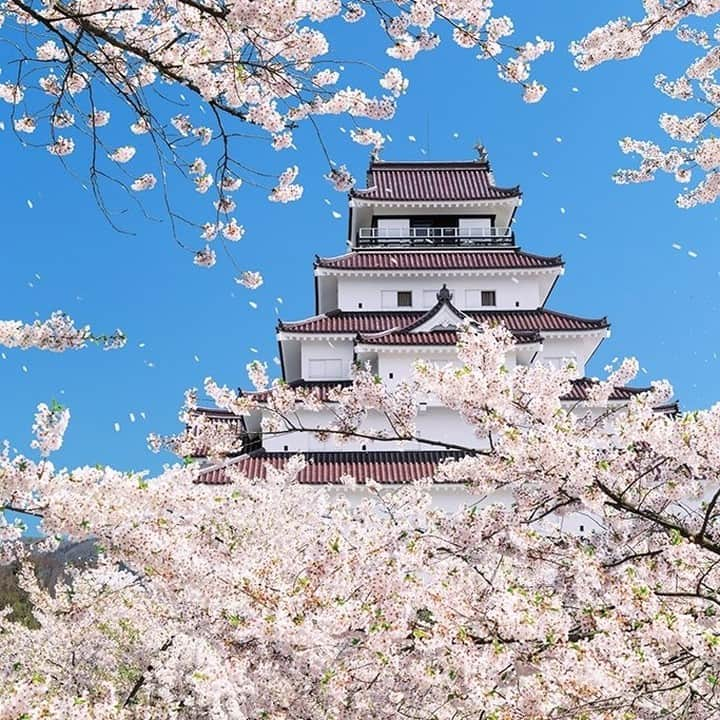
(366, 293)
(435, 423)
(321, 350)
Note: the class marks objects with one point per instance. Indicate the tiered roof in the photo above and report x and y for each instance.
(439, 260)
(434, 337)
(328, 468)
(339, 322)
(432, 181)
(428, 184)
(321, 390)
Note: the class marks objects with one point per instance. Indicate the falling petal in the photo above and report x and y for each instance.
(582, 235)
(252, 304)
(29, 204)
(24, 368)
(197, 359)
(692, 253)
(411, 138)
(562, 210)
(336, 214)
(117, 427)
(253, 350)
(676, 246)
(558, 139)
(535, 153)
(132, 417)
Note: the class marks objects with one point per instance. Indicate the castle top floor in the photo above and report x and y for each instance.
(432, 204)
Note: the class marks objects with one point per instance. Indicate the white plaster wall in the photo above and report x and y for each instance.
(291, 353)
(326, 293)
(400, 364)
(451, 498)
(435, 423)
(323, 349)
(365, 293)
(578, 347)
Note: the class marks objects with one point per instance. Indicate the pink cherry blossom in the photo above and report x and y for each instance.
(250, 279)
(144, 182)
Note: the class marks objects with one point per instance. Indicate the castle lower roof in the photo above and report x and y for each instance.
(428, 181)
(434, 337)
(320, 389)
(364, 322)
(329, 468)
(448, 260)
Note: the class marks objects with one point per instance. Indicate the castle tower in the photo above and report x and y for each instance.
(430, 246)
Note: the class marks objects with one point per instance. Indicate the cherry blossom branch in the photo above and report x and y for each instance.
(57, 333)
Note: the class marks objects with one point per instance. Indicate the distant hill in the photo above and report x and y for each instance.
(49, 568)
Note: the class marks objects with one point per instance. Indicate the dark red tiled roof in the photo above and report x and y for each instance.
(327, 468)
(319, 388)
(622, 393)
(432, 181)
(339, 322)
(233, 425)
(434, 337)
(582, 386)
(450, 260)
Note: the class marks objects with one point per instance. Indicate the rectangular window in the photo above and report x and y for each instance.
(488, 298)
(330, 368)
(475, 227)
(393, 227)
(404, 298)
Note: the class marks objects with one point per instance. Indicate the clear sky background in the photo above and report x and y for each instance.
(185, 323)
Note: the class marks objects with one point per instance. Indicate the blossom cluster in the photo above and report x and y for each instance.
(268, 65)
(696, 85)
(57, 333)
(263, 594)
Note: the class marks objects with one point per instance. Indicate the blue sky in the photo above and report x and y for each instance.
(662, 302)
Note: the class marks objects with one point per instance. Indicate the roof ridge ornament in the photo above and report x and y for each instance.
(444, 295)
(482, 155)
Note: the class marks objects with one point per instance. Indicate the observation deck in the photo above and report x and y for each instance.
(426, 237)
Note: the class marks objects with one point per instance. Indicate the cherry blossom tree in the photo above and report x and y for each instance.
(259, 70)
(697, 150)
(270, 599)
(57, 333)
